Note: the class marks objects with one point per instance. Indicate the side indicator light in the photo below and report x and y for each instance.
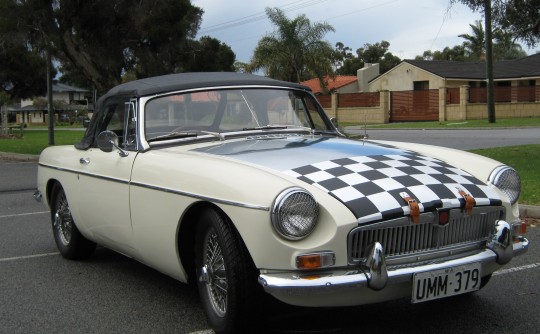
(519, 228)
(315, 260)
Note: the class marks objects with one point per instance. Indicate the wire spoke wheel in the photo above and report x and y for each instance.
(69, 240)
(226, 278)
(213, 274)
(63, 222)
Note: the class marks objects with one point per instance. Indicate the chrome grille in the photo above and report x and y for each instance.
(401, 237)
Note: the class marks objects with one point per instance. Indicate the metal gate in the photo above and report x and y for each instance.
(417, 105)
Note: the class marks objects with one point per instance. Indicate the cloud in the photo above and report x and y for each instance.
(410, 27)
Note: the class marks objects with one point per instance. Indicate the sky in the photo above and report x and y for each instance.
(411, 27)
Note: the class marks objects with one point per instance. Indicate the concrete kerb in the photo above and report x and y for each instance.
(530, 211)
(18, 157)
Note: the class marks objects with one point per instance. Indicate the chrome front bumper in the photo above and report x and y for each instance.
(374, 282)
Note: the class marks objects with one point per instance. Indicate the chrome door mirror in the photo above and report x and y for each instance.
(106, 140)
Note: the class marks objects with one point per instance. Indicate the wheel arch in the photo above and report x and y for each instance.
(187, 231)
(49, 190)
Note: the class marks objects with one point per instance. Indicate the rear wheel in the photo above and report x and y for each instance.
(226, 279)
(70, 242)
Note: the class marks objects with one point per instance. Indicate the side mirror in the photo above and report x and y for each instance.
(107, 140)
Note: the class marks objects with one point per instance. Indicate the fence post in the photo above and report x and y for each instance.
(384, 105)
(442, 104)
(514, 91)
(334, 105)
(463, 101)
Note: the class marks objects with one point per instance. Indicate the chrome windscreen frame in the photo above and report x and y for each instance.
(143, 100)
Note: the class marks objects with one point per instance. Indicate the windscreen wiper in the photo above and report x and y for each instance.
(173, 135)
(267, 127)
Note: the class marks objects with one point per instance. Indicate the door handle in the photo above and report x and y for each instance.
(84, 161)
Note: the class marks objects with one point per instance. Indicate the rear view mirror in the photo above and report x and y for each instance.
(107, 140)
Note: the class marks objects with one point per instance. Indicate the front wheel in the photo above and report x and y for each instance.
(226, 278)
(70, 242)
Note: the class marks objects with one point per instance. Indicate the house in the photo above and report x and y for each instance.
(342, 84)
(420, 90)
(432, 74)
(338, 84)
(66, 99)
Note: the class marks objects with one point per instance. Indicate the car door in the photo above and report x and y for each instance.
(104, 181)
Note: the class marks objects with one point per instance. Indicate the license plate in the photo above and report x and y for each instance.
(446, 282)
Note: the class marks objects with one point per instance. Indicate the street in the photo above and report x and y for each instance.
(40, 292)
(455, 138)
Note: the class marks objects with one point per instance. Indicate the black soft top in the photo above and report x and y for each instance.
(176, 82)
(181, 81)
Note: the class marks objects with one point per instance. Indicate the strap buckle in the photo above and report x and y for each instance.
(413, 206)
(470, 202)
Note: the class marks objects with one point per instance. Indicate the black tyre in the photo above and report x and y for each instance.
(226, 278)
(70, 242)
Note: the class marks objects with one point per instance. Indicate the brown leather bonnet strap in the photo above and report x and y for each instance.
(413, 206)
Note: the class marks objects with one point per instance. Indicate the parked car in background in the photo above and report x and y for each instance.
(243, 185)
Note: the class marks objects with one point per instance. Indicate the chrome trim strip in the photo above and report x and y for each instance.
(78, 172)
(167, 190)
(201, 197)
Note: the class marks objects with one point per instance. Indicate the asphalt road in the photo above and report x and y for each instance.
(456, 138)
(40, 292)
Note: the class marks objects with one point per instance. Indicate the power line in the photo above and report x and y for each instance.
(259, 16)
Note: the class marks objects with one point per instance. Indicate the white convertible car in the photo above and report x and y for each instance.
(242, 184)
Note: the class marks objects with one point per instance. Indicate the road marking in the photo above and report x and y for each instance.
(27, 257)
(516, 269)
(24, 214)
(204, 331)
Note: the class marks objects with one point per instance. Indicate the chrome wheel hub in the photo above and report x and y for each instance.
(213, 274)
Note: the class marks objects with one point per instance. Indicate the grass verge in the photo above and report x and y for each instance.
(525, 159)
(35, 141)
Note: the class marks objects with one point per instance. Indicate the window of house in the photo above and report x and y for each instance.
(421, 85)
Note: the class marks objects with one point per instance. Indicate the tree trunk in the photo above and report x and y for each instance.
(3, 115)
(489, 63)
(50, 99)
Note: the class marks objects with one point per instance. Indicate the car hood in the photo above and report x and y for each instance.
(369, 178)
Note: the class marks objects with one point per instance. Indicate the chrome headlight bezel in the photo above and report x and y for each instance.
(507, 180)
(295, 213)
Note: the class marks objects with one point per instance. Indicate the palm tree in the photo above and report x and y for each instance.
(505, 47)
(475, 44)
(295, 51)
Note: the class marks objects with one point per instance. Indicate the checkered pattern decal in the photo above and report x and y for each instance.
(370, 186)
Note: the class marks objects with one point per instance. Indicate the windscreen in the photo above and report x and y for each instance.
(231, 110)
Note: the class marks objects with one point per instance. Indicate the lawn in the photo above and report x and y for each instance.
(34, 141)
(525, 159)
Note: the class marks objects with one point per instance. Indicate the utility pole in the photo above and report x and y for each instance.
(50, 99)
(489, 63)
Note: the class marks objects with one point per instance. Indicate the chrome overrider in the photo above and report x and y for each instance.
(377, 282)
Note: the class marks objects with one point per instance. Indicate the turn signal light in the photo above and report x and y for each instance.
(315, 260)
(519, 228)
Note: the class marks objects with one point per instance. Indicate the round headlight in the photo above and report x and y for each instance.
(507, 180)
(295, 213)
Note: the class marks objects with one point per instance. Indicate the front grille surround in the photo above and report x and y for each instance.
(405, 242)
